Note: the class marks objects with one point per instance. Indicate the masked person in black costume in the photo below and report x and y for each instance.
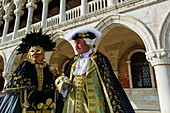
(31, 88)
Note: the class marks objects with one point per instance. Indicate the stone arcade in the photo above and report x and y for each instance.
(135, 38)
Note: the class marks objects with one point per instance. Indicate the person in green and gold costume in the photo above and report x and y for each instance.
(88, 84)
(31, 88)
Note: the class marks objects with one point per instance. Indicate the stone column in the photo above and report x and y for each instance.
(83, 7)
(44, 13)
(31, 7)
(18, 13)
(62, 10)
(130, 74)
(110, 2)
(7, 19)
(160, 59)
(7, 76)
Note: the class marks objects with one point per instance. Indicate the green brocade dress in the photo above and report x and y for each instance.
(86, 94)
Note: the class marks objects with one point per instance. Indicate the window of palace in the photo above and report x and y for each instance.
(140, 71)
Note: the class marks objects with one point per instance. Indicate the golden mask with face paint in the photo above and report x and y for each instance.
(36, 50)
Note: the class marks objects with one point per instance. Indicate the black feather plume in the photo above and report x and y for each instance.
(36, 39)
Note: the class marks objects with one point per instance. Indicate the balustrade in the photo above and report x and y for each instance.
(73, 13)
(96, 5)
(9, 36)
(37, 26)
(92, 6)
(21, 32)
(53, 20)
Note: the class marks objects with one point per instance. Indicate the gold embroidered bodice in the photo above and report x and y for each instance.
(40, 75)
(80, 97)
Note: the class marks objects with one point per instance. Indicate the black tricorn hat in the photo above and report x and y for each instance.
(82, 32)
(36, 39)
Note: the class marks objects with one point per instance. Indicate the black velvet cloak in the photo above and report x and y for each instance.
(118, 99)
(25, 77)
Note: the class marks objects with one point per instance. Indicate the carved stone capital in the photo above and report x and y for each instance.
(128, 62)
(7, 17)
(32, 5)
(18, 12)
(159, 57)
(6, 75)
(46, 1)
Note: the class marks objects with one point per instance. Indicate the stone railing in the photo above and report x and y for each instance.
(21, 32)
(96, 5)
(9, 36)
(73, 13)
(93, 6)
(53, 20)
(37, 26)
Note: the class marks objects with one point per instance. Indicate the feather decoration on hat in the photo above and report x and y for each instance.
(82, 32)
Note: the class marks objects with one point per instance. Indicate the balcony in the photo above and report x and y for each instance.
(96, 9)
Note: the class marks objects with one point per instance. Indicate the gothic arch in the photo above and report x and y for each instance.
(63, 52)
(11, 60)
(8, 7)
(59, 37)
(164, 37)
(134, 51)
(108, 23)
(22, 2)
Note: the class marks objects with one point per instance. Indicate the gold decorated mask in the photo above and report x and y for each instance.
(36, 50)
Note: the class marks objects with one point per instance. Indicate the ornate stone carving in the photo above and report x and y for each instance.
(46, 1)
(31, 4)
(8, 8)
(7, 17)
(18, 12)
(158, 57)
(6, 75)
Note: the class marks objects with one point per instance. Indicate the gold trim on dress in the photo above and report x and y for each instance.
(104, 88)
(79, 86)
(40, 75)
